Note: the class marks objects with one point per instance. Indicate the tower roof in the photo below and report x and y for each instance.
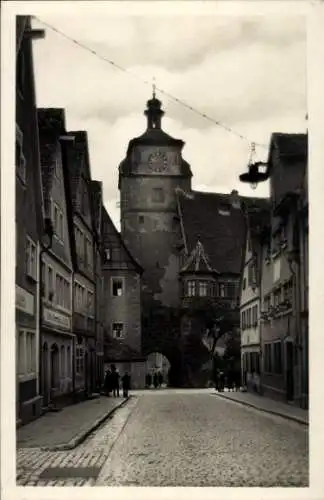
(153, 136)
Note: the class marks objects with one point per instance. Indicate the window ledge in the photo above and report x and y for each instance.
(26, 377)
(62, 309)
(31, 278)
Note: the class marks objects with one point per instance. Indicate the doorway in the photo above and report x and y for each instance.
(289, 371)
(157, 370)
(54, 367)
(45, 388)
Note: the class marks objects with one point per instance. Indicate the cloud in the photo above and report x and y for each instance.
(249, 73)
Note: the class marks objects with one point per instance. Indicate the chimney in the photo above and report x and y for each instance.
(235, 199)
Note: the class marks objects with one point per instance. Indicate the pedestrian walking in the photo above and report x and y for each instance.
(160, 379)
(221, 381)
(125, 384)
(155, 380)
(217, 380)
(115, 381)
(148, 380)
(107, 383)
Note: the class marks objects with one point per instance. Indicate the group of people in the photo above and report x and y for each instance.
(112, 382)
(230, 379)
(156, 379)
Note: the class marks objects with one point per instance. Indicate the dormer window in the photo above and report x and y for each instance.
(107, 254)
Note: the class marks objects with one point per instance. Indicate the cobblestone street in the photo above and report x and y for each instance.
(178, 438)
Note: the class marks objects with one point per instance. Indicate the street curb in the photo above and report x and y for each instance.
(82, 436)
(278, 413)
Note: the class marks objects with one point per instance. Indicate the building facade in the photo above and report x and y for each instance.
(29, 227)
(100, 304)
(57, 339)
(250, 297)
(81, 227)
(284, 273)
(122, 290)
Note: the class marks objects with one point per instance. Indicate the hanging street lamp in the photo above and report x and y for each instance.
(254, 176)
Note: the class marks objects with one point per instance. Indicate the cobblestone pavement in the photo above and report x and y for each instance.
(92, 453)
(179, 438)
(192, 439)
(61, 428)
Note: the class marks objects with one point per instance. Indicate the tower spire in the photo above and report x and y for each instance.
(154, 112)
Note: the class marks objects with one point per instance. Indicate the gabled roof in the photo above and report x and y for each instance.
(96, 193)
(51, 125)
(219, 223)
(78, 161)
(112, 232)
(290, 144)
(198, 261)
(287, 164)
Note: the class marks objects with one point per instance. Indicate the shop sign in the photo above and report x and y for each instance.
(24, 301)
(56, 318)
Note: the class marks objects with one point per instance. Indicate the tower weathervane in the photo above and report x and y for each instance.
(154, 87)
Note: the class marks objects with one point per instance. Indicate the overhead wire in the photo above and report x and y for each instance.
(146, 82)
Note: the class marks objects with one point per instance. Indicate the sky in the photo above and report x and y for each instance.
(248, 73)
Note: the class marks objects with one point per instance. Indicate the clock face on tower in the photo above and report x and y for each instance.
(158, 161)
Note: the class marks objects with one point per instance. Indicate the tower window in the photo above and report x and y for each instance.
(118, 330)
(191, 288)
(158, 195)
(117, 287)
(221, 290)
(203, 288)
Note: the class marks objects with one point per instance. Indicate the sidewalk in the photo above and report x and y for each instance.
(66, 429)
(268, 405)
